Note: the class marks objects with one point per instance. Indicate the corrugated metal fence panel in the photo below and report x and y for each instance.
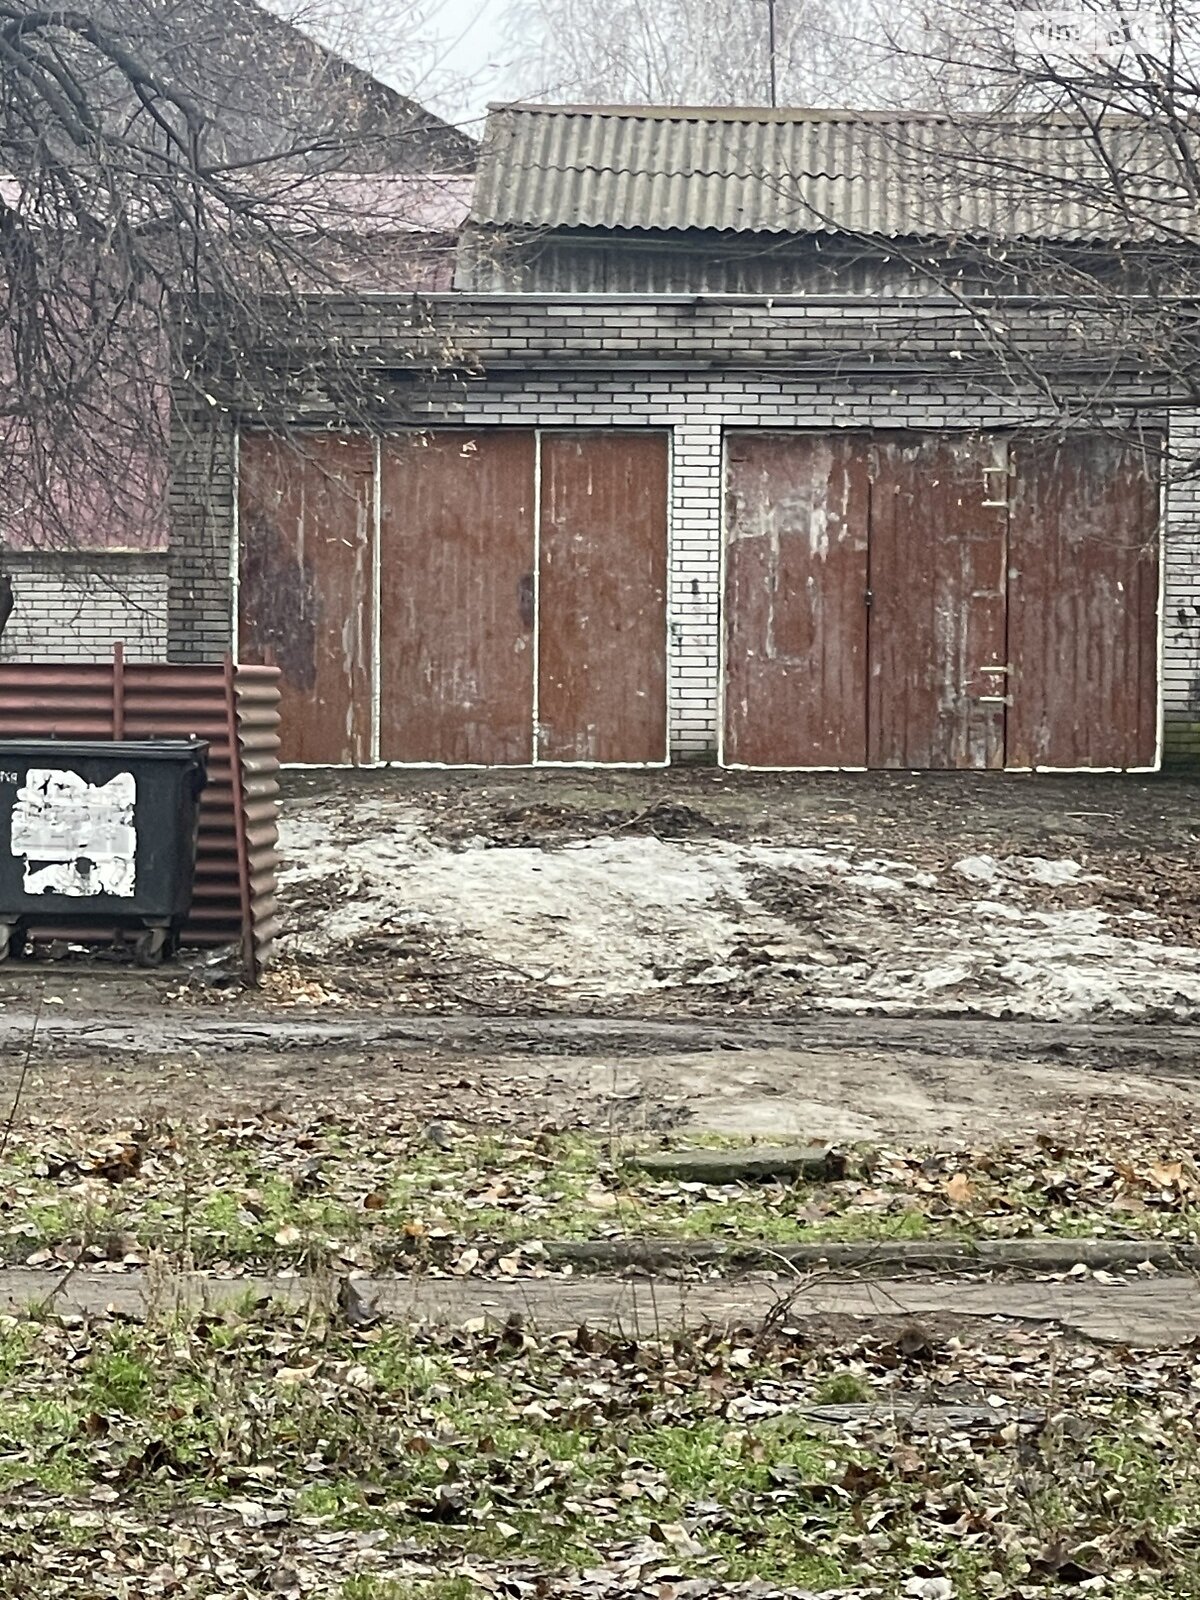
(236, 709)
(257, 698)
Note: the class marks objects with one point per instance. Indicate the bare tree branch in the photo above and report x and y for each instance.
(177, 179)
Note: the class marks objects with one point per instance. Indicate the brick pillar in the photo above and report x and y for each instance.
(695, 587)
(200, 608)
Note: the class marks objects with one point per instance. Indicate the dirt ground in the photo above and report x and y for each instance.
(749, 955)
(696, 891)
(875, 1080)
(992, 983)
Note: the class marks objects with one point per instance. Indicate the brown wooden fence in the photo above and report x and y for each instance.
(236, 709)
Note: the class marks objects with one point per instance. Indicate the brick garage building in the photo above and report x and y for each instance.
(733, 469)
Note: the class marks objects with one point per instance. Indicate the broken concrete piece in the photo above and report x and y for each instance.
(752, 1164)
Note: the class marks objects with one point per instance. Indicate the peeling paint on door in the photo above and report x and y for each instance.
(796, 515)
(305, 588)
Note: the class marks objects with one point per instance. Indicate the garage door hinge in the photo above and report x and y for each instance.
(868, 597)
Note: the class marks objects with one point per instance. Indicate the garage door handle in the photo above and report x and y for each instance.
(525, 599)
(994, 699)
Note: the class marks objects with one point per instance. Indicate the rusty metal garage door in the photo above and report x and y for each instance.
(937, 603)
(925, 601)
(503, 636)
(602, 598)
(456, 592)
(305, 518)
(506, 637)
(1083, 605)
(796, 512)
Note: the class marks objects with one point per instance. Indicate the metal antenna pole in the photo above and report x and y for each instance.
(771, 50)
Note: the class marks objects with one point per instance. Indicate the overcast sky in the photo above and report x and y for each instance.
(450, 54)
(475, 50)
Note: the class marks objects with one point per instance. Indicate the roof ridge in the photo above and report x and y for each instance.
(718, 113)
(817, 114)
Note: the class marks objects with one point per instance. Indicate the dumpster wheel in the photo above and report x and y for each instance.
(149, 946)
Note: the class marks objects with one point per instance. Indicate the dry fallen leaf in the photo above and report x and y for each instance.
(1166, 1174)
(959, 1189)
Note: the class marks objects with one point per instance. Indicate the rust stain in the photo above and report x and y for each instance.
(797, 509)
(274, 567)
(305, 586)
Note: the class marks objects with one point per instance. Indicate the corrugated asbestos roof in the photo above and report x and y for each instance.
(794, 172)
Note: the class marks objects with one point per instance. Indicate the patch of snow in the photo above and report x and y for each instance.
(1055, 873)
(979, 869)
(618, 916)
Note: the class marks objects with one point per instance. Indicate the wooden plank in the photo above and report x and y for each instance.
(602, 597)
(1083, 604)
(456, 597)
(304, 586)
(796, 519)
(937, 580)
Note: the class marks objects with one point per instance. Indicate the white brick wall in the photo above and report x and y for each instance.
(64, 612)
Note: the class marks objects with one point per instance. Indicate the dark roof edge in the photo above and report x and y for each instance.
(645, 113)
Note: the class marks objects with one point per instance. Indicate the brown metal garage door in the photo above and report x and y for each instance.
(936, 603)
(305, 516)
(1083, 605)
(796, 511)
(503, 636)
(602, 598)
(939, 601)
(456, 560)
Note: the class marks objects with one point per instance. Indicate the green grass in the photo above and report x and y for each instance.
(231, 1199)
(841, 1389)
(464, 1448)
(370, 1588)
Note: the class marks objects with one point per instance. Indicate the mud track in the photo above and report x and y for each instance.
(1159, 1048)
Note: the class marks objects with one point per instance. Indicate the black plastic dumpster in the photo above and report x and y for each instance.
(99, 835)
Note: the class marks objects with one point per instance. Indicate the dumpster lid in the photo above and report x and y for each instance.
(103, 749)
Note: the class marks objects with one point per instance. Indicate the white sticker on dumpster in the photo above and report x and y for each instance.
(77, 837)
